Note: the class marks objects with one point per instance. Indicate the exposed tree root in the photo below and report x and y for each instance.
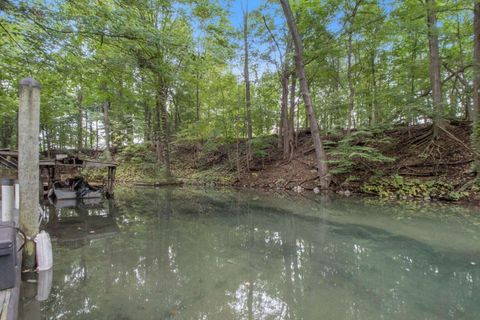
(416, 165)
(468, 184)
(477, 155)
(422, 138)
(431, 147)
(308, 180)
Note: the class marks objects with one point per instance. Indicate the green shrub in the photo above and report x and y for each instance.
(136, 153)
(260, 145)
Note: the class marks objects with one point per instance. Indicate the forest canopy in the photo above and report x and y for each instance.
(119, 72)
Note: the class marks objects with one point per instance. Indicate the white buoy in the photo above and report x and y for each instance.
(17, 194)
(44, 285)
(7, 199)
(44, 251)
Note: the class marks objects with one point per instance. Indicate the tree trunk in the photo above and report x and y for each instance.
(130, 130)
(284, 113)
(197, 96)
(476, 80)
(319, 151)
(79, 120)
(351, 88)
(87, 132)
(374, 111)
(283, 132)
(97, 136)
(165, 131)
(7, 133)
(291, 116)
(434, 58)
(147, 113)
(465, 94)
(90, 135)
(248, 118)
(476, 62)
(298, 126)
(157, 132)
(147, 116)
(413, 59)
(106, 123)
(176, 117)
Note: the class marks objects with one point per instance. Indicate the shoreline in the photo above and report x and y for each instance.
(352, 195)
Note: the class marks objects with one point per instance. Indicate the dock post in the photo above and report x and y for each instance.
(28, 164)
(7, 199)
(110, 182)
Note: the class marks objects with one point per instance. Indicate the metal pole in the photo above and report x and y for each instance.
(28, 164)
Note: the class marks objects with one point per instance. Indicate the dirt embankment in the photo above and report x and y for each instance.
(403, 162)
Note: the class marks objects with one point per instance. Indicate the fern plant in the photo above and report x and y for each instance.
(260, 146)
(357, 150)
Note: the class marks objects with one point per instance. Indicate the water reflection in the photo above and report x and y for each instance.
(76, 222)
(189, 254)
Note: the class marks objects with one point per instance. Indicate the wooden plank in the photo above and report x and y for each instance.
(6, 302)
(10, 164)
(12, 311)
(86, 164)
(47, 162)
(3, 304)
(52, 162)
(9, 153)
(2, 297)
(98, 164)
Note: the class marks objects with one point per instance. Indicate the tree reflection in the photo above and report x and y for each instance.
(193, 254)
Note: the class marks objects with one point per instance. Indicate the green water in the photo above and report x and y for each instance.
(203, 254)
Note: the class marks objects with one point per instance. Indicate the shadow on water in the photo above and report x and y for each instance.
(185, 253)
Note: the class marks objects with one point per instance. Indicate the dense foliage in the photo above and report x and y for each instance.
(119, 72)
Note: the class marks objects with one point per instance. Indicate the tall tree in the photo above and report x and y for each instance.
(291, 116)
(435, 63)
(321, 157)
(351, 85)
(106, 126)
(79, 119)
(476, 80)
(246, 74)
(476, 60)
(284, 114)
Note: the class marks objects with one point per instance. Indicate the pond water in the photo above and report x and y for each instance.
(186, 253)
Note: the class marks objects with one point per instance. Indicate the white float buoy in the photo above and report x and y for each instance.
(17, 194)
(44, 251)
(44, 284)
(7, 199)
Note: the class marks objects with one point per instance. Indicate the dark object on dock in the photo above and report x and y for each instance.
(73, 189)
(8, 255)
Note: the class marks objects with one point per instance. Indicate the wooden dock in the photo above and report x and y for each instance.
(52, 169)
(10, 298)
